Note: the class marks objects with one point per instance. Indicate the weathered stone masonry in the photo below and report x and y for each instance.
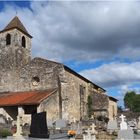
(20, 73)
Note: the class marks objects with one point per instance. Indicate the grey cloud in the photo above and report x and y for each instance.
(82, 31)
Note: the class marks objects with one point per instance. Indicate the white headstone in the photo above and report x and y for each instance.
(123, 124)
(112, 125)
(126, 134)
(89, 135)
(138, 125)
(93, 129)
(60, 124)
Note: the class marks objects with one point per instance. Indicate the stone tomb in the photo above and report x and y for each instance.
(39, 127)
(50, 124)
(112, 126)
(123, 124)
(78, 130)
(89, 134)
(138, 126)
(124, 132)
(60, 124)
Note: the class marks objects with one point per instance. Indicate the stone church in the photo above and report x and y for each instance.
(34, 85)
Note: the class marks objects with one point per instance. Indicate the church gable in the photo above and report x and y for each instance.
(40, 74)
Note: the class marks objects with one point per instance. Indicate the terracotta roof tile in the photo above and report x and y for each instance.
(24, 98)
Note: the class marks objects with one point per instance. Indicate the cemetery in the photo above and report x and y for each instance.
(117, 129)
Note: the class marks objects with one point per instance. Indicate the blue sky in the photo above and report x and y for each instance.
(100, 40)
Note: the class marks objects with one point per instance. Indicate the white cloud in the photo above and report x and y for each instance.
(114, 74)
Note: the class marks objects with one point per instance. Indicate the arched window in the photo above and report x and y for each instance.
(8, 39)
(35, 80)
(23, 42)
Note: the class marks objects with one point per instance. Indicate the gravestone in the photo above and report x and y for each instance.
(60, 124)
(39, 127)
(123, 124)
(93, 131)
(50, 124)
(112, 126)
(138, 126)
(132, 124)
(19, 127)
(124, 132)
(79, 128)
(78, 131)
(73, 126)
(88, 135)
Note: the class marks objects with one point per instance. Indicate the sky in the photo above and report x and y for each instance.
(98, 39)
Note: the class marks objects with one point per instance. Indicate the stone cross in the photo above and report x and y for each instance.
(89, 134)
(19, 128)
(123, 124)
(122, 117)
(93, 128)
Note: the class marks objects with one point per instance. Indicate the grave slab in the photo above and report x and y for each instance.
(126, 134)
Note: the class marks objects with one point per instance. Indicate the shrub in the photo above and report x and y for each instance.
(5, 133)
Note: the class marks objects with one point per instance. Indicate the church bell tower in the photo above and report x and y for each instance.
(15, 45)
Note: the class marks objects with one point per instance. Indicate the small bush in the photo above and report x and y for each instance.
(5, 133)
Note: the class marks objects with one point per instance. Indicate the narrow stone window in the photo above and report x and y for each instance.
(35, 81)
(82, 102)
(23, 42)
(8, 39)
(82, 90)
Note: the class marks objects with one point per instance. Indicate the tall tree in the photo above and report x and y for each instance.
(136, 104)
(129, 100)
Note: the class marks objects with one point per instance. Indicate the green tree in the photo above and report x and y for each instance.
(129, 100)
(136, 103)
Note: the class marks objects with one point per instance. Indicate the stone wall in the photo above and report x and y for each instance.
(100, 104)
(12, 58)
(112, 109)
(71, 97)
(46, 71)
(51, 106)
(100, 101)
(19, 73)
